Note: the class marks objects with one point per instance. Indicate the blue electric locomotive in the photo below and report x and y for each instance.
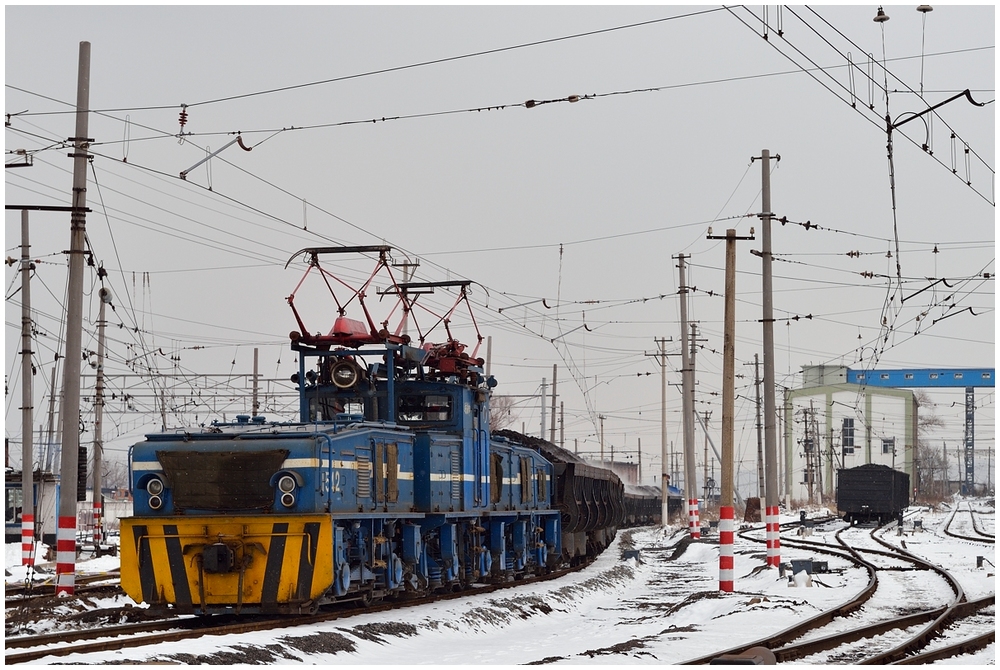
(389, 484)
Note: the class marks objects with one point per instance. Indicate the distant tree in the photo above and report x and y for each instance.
(931, 466)
(114, 475)
(501, 414)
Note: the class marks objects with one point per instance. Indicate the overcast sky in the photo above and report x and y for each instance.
(584, 205)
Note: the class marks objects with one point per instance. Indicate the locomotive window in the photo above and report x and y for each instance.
(392, 470)
(525, 480)
(496, 477)
(327, 407)
(425, 408)
(380, 472)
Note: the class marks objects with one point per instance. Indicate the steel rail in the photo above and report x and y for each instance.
(199, 627)
(778, 643)
(785, 636)
(986, 538)
(956, 649)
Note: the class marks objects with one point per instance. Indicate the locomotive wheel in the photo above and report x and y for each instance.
(366, 600)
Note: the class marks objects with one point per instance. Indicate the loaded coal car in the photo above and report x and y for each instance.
(389, 484)
(872, 493)
(593, 501)
(643, 505)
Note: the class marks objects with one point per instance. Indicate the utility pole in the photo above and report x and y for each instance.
(687, 406)
(704, 463)
(562, 425)
(27, 406)
(98, 500)
(673, 461)
(664, 469)
(489, 355)
(726, 509)
(552, 430)
(944, 468)
(772, 537)
(50, 440)
(541, 433)
(410, 269)
(760, 446)
(255, 405)
(601, 417)
(66, 532)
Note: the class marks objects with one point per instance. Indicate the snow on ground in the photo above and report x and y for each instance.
(654, 610)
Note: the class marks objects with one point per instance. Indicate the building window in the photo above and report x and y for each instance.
(847, 436)
(888, 445)
(908, 375)
(958, 375)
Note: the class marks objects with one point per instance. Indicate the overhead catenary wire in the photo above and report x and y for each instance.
(160, 324)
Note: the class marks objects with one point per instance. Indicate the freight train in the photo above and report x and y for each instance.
(872, 493)
(390, 484)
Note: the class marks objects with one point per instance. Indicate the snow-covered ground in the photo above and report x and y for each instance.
(650, 610)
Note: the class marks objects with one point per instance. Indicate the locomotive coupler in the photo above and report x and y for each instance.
(218, 558)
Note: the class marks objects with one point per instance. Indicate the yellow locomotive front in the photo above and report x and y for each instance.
(228, 520)
(237, 563)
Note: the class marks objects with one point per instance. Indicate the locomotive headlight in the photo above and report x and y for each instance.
(286, 484)
(154, 486)
(344, 374)
(287, 499)
(155, 502)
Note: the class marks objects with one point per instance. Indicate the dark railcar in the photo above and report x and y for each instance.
(872, 493)
(593, 501)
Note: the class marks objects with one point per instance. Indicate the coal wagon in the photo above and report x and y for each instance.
(872, 493)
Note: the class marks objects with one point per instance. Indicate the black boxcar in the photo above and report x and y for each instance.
(872, 493)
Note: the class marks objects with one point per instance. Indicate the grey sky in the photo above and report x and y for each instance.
(623, 182)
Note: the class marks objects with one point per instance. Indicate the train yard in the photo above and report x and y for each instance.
(921, 596)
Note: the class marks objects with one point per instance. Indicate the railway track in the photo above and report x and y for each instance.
(33, 598)
(960, 532)
(155, 632)
(897, 636)
(34, 588)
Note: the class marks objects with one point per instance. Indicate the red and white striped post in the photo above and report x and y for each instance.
(98, 514)
(727, 526)
(27, 539)
(27, 405)
(694, 523)
(70, 416)
(66, 555)
(772, 536)
(726, 510)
